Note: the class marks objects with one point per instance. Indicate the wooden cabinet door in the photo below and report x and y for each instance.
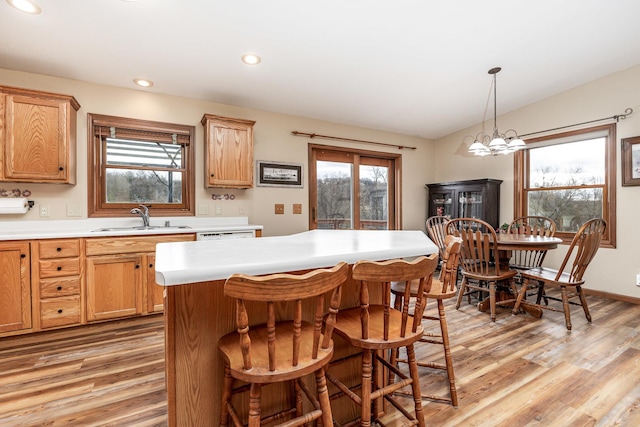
(155, 292)
(15, 286)
(39, 133)
(114, 286)
(228, 152)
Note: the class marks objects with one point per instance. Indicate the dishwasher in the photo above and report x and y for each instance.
(221, 235)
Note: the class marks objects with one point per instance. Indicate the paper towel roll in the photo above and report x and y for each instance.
(13, 205)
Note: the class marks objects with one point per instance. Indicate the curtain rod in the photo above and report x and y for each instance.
(616, 117)
(315, 135)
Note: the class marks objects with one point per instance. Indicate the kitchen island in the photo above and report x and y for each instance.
(197, 314)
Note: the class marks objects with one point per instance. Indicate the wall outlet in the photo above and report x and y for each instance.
(638, 279)
(279, 209)
(203, 209)
(297, 208)
(241, 210)
(44, 211)
(74, 211)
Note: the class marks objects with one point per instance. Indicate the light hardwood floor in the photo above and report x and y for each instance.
(518, 371)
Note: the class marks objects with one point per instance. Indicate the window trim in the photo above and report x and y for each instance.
(521, 168)
(395, 182)
(137, 129)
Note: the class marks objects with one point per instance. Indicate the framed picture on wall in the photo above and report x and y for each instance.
(631, 161)
(278, 174)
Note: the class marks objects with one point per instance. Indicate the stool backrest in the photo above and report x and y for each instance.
(287, 297)
(395, 323)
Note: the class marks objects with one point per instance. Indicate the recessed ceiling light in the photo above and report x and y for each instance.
(143, 82)
(251, 59)
(26, 6)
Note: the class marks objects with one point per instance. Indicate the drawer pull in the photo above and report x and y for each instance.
(59, 268)
(59, 288)
(59, 310)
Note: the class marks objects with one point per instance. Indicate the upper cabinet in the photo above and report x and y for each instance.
(37, 136)
(476, 198)
(228, 152)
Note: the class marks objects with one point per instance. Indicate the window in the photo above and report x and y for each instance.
(134, 162)
(569, 177)
(352, 189)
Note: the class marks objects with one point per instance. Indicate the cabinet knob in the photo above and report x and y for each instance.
(59, 288)
(58, 249)
(137, 265)
(212, 175)
(59, 268)
(150, 265)
(60, 168)
(59, 311)
(23, 255)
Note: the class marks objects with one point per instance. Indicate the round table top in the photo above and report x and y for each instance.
(513, 241)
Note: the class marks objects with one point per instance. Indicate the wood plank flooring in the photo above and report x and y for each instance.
(518, 371)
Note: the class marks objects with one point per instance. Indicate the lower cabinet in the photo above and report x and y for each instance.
(114, 286)
(15, 287)
(120, 276)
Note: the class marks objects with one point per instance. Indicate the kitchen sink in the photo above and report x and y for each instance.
(142, 227)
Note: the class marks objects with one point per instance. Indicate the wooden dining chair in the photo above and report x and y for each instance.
(379, 329)
(286, 348)
(442, 288)
(569, 277)
(479, 260)
(436, 229)
(530, 226)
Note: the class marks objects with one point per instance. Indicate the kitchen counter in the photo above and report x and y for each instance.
(92, 227)
(197, 313)
(190, 262)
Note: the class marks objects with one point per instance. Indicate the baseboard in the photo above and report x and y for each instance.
(625, 298)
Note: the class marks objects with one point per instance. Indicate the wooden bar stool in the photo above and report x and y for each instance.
(441, 289)
(285, 348)
(379, 330)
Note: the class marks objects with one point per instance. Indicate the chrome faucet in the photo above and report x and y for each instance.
(144, 213)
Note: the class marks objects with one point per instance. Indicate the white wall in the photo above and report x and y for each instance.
(273, 141)
(613, 270)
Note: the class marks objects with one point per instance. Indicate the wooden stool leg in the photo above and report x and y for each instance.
(444, 329)
(254, 405)
(415, 385)
(226, 396)
(323, 398)
(367, 368)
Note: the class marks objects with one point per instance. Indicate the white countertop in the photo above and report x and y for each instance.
(75, 228)
(202, 261)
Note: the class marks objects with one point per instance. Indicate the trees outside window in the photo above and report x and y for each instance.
(351, 189)
(570, 178)
(136, 162)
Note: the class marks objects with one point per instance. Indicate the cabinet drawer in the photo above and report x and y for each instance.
(125, 245)
(53, 288)
(62, 311)
(59, 267)
(59, 248)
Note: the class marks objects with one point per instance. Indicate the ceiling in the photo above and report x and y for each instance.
(414, 67)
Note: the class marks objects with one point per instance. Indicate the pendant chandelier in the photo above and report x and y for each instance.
(497, 143)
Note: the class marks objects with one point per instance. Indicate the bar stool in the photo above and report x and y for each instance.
(379, 330)
(284, 350)
(441, 289)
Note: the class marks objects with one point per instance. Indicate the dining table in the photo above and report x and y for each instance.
(506, 243)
